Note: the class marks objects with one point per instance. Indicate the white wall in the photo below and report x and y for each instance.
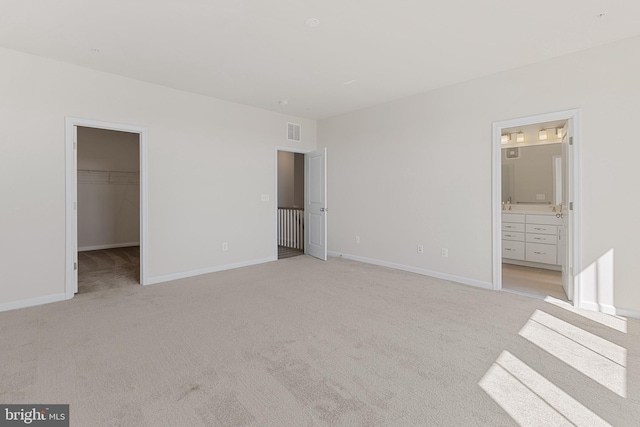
(209, 162)
(108, 206)
(298, 180)
(418, 170)
(285, 179)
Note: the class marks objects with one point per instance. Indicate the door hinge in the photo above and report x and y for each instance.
(570, 140)
(570, 206)
(75, 265)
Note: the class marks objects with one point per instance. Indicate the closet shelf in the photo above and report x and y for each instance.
(114, 177)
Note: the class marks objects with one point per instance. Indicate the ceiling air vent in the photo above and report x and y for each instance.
(293, 132)
(512, 153)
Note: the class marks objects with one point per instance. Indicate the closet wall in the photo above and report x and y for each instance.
(108, 189)
(290, 180)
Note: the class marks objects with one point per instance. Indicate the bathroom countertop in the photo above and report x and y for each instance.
(537, 210)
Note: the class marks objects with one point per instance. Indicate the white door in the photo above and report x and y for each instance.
(315, 206)
(566, 236)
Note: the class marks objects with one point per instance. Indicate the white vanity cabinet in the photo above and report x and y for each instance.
(532, 238)
(513, 236)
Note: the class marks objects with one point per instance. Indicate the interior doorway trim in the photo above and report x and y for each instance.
(576, 183)
(71, 196)
(275, 190)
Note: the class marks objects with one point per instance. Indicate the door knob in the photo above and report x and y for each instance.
(324, 210)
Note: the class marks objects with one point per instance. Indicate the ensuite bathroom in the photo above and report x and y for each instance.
(534, 211)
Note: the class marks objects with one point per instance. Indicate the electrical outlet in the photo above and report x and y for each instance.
(445, 253)
(358, 239)
(420, 249)
(225, 246)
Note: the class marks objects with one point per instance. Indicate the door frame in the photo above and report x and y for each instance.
(575, 182)
(275, 191)
(71, 195)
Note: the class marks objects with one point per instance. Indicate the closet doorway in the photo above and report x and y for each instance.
(106, 206)
(535, 206)
(108, 178)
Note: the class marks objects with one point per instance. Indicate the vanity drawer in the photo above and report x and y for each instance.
(543, 219)
(513, 235)
(539, 252)
(512, 249)
(542, 229)
(512, 226)
(550, 239)
(512, 217)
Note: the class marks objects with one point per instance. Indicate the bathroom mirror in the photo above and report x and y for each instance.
(530, 174)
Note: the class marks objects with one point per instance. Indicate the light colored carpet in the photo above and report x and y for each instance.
(301, 342)
(108, 269)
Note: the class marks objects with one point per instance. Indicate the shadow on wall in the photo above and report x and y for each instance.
(596, 284)
(581, 356)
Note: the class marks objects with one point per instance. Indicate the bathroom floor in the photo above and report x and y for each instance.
(537, 282)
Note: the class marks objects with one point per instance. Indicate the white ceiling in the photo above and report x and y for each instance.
(258, 52)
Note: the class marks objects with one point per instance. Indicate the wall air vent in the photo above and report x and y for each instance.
(293, 132)
(512, 153)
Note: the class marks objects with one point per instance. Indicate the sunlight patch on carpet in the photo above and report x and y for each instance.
(614, 322)
(532, 400)
(595, 357)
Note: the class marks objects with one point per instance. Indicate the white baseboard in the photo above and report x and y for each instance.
(424, 272)
(111, 246)
(609, 309)
(628, 313)
(589, 306)
(31, 302)
(185, 274)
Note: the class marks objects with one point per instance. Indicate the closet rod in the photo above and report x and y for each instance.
(107, 171)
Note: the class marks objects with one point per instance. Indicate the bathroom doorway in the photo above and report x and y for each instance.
(534, 207)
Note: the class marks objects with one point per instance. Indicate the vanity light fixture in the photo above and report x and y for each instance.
(559, 132)
(519, 137)
(542, 135)
(505, 138)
